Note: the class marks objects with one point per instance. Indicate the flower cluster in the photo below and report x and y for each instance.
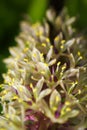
(45, 87)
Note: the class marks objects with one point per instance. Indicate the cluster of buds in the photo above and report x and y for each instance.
(45, 87)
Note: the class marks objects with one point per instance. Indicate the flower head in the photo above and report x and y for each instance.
(46, 82)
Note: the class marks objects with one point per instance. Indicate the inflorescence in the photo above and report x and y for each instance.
(45, 87)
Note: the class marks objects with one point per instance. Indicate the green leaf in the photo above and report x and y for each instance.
(78, 8)
(37, 9)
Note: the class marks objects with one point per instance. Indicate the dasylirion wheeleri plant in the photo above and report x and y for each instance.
(45, 87)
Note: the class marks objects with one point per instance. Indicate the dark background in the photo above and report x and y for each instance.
(14, 11)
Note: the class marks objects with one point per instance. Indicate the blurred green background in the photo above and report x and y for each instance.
(14, 11)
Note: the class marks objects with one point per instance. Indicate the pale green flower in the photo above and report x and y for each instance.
(46, 83)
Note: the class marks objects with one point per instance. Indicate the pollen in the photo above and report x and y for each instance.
(32, 77)
(21, 70)
(9, 83)
(67, 103)
(21, 89)
(20, 100)
(7, 116)
(15, 97)
(61, 74)
(13, 80)
(58, 63)
(45, 64)
(39, 33)
(56, 38)
(4, 92)
(43, 44)
(51, 46)
(47, 40)
(54, 108)
(57, 99)
(61, 46)
(78, 53)
(68, 109)
(27, 43)
(79, 91)
(74, 83)
(42, 72)
(64, 67)
(26, 49)
(34, 55)
(34, 90)
(62, 112)
(81, 57)
(63, 41)
(41, 54)
(26, 60)
(31, 85)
